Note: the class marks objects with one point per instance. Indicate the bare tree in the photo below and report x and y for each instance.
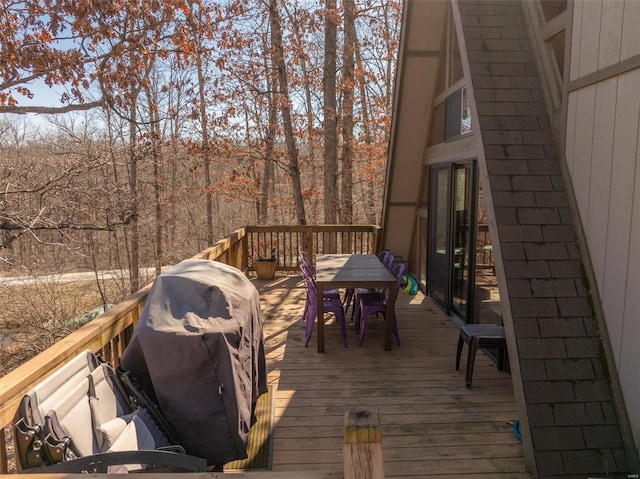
(368, 140)
(155, 153)
(348, 86)
(284, 102)
(330, 113)
(270, 134)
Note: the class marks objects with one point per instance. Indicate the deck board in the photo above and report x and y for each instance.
(432, 425)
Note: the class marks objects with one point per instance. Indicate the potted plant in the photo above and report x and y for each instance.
(266, 267)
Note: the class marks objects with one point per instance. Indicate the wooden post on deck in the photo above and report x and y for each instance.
(362, 445)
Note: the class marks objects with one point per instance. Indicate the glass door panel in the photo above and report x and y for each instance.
(439, 256)
(451, 238)
(463, 239)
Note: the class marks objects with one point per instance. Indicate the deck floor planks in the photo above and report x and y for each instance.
(432, 425)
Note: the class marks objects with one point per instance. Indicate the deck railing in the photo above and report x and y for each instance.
(109, 333)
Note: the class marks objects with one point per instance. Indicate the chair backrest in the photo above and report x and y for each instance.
(306, 271)
(398, 272)
(51, 389)
(305, 258)
(30, 428)
(388, 262)
(71, 417)
(310, 285)
(382, 255)
(305, 263)
(108, 401)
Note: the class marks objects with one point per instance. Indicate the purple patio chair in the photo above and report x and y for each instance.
(331, 305)
(377, 303)
(386, 258)
(307, 268)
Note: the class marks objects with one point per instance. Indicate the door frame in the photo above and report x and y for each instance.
(467, 316)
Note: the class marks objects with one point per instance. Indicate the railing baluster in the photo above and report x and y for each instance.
(4, 465)
(107, 353)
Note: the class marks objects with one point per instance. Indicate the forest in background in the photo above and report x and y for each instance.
(135, 133)
(171, 123)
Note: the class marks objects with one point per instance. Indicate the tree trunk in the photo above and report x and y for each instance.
(285, 102)
(206, 148)
(156, 157)
(301, 53)
(267, 175)
(330, 114)
(348, 85)
(134, 253)
(369, 189)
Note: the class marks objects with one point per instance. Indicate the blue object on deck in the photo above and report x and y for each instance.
(516, 430)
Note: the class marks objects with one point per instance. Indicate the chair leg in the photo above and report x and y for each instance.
(471, 358)
(459, 352)
(343, 327)
(311, 318)
(348, 297)
(363, 326)
(501, 358)
(355, 310)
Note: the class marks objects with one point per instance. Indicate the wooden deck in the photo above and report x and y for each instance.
(432, 426)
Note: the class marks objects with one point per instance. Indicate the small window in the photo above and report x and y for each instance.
(556, 43)
(457, 115)
(552, 8)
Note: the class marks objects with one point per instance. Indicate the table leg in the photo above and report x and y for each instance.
(320, 310)
(390, 316)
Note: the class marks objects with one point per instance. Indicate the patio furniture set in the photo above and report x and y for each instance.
(371, 286)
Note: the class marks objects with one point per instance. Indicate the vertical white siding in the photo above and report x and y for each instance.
(613, 289)
(602, 154)
(590, 36)
(610, 33)
(602, 151)
(630, 30)
(581, 169)
(570, 139)
(574, 59)
(629, 357)
(600, 186)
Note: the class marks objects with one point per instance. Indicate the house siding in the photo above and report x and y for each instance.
(601, 151)
(554, 327)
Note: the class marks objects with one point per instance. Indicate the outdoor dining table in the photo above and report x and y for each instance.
(354, 271)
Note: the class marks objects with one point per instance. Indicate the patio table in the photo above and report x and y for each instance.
(354, 271)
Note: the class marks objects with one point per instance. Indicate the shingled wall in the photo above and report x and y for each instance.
(573, 423)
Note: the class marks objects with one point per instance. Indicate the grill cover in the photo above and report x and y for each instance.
(198, 351)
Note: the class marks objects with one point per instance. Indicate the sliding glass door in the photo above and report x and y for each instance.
(439, 254)
(452, 237)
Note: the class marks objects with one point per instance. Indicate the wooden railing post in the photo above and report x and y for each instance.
(244, 251)
(362, 445)
(310, 241)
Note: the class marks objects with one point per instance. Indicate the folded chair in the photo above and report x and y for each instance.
(369, 304)
(81, 419)
(29, 428)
